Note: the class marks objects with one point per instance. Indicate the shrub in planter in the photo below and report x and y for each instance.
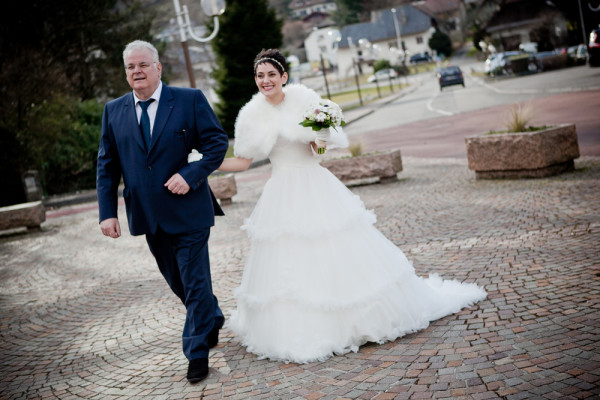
(523, 152)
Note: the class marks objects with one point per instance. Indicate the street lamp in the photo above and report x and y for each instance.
(212, 8)
(398, 39)
(352, 50)
(333, 41)
(585, 37)
(401, 48)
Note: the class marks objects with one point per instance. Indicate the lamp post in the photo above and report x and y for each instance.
(213, 8)
(335, 38)
(352, 48)
(399, 43)
(397, 28)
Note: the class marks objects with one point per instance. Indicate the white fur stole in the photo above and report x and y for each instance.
(259, 123)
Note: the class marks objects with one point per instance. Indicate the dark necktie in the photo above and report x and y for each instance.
(145, 121)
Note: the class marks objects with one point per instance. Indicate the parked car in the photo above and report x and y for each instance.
(578, 54)
(594, 48)
(383, 75)
(497, 63)
(420, 58)
(530, 47)
(450, 75)
(512, 62)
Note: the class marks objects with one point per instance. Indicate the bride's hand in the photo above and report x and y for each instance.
(319, 144)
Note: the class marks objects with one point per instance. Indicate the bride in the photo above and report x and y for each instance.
(319, 279)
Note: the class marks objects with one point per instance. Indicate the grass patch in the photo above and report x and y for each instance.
(351, 96)
(528, 129)
(518, 117)
(355, 149)
(472, 51)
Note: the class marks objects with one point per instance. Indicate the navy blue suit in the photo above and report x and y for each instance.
(176, 226)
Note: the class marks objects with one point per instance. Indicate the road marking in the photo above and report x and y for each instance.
(431, 108)
(481, 82)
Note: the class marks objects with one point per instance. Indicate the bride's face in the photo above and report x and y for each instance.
(270, 82)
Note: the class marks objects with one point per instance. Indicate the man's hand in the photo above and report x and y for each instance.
(110, 227)
(177, 185)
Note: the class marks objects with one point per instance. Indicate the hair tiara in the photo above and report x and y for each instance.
(268, 59)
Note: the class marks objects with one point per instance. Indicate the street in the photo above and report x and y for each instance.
(427, 101)
(429, 122)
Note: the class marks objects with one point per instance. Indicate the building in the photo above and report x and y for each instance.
(304, 8)
(391, 34)
(322, 42)
(522, 21)
(447, 16)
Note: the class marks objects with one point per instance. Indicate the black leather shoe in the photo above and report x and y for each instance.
(197, 370)
(213, 336)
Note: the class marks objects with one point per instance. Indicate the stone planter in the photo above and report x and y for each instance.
(30, 215)
(223, 187)
(371, 168)
(523, 154)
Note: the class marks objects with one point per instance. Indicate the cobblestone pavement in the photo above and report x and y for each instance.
(88, 317)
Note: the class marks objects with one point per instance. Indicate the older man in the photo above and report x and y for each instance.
(146, 137)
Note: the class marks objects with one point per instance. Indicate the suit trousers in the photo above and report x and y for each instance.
(184, 263)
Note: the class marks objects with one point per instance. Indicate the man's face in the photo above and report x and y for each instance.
(143, 74)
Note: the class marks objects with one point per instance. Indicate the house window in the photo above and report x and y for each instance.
(419, 39)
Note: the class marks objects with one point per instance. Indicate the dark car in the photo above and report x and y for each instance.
(594, 48)
(450, 75)
(420, 58)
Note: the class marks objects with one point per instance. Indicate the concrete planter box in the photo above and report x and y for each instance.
(223, 187)
(30, 215)
(371, 168)
(523, 154)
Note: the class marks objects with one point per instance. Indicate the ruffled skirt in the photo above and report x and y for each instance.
(320, 279)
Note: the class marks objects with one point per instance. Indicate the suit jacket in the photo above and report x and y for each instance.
(184, 120)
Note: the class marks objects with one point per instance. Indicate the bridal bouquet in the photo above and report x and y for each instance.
(323, 115)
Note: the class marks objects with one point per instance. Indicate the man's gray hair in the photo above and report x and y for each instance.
(138, 45)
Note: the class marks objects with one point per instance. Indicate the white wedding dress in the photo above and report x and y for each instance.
(320, 279)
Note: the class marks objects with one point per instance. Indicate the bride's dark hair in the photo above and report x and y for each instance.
(273, 57)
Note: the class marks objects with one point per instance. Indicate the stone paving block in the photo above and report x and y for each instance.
(84, 316)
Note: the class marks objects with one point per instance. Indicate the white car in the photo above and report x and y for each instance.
(496, 62)
(383, 75)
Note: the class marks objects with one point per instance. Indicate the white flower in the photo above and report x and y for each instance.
(194, 156)
(322, 115)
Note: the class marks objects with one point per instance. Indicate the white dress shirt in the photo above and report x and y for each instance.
(152, 108)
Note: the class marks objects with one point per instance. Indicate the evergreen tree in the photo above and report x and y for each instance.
(247, 27)
(52, 51)
(349, 12)
(441, 43)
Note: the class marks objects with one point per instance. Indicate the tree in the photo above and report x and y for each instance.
(570, 9)
(381, 64)
(441, 43)
(348, 12)
(53, 50)
(281, 7)
(247, 27)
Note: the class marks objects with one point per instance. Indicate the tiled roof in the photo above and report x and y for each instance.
(434, 7)
(414, 21)
(515, 11)
(306, 3)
